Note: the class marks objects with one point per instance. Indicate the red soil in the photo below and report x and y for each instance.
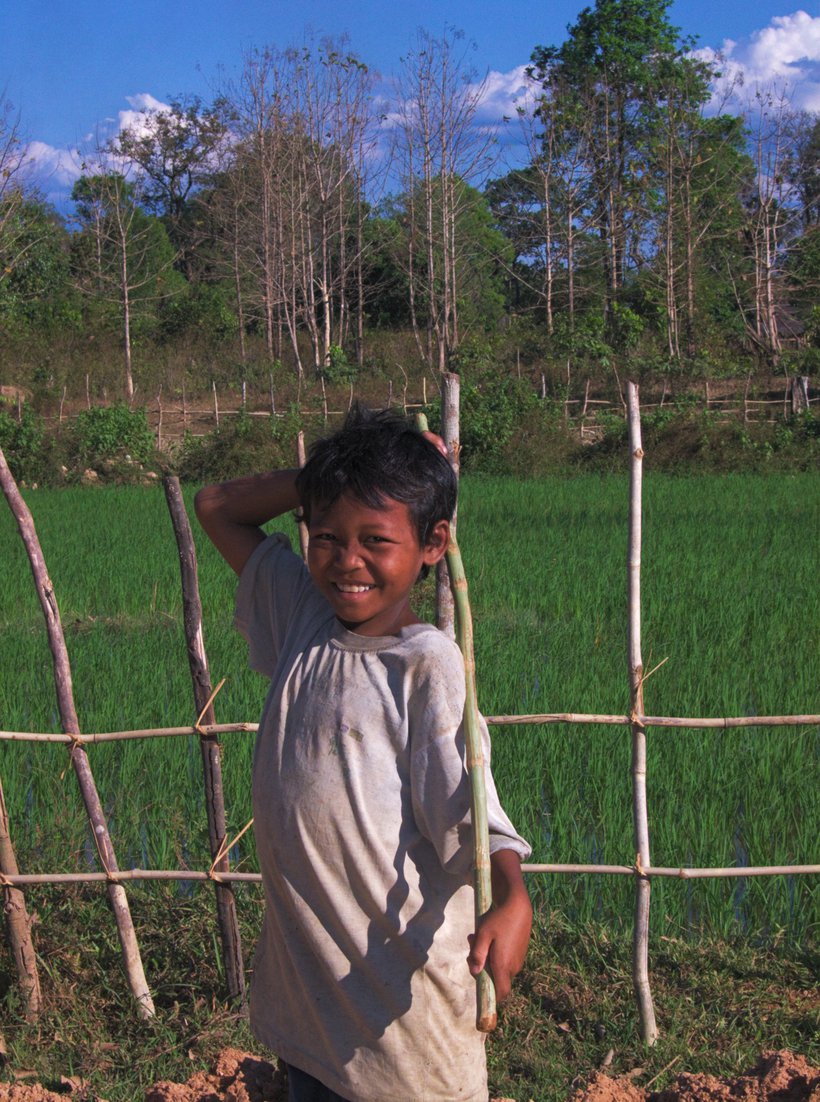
(241, 1077)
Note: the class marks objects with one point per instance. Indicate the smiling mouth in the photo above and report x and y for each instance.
(341, 588)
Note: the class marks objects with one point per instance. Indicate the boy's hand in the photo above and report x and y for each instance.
(436, 441)
(500, 943)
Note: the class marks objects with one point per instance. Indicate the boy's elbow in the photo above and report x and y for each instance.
(205, 502)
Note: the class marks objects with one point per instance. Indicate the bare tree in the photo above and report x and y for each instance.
(12, 191)
(120, 254)
(773, 210)
(437, 145)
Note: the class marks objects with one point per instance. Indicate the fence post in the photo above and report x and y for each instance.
(640, 942)
(800, 394)
(77, 754)
(18, 923)
(208, 744)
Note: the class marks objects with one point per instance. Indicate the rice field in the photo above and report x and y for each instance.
(731, 608)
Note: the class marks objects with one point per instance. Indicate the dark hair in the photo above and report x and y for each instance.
(375, 455)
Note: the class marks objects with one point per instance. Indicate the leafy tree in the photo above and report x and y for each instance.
(607, 78)
(176, 150)
(36, 293)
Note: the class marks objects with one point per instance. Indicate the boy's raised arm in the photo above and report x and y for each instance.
(232, 513)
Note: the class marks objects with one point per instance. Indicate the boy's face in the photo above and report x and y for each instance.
(365, 562)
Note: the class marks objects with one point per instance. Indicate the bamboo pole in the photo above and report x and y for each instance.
(680, 873)
(208, 743)
(727, 723)
(18, 923)
(450, 433)
(119, 736)
(303, 528)
(640, 943)
(486, 1016)
(486, 1011)
(79, 759)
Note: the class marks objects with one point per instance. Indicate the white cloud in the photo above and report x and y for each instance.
(504, 93)
(54, 171)
(137, 119)
(60, 166)
(786, 53)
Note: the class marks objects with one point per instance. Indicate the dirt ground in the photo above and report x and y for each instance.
(241, 1077)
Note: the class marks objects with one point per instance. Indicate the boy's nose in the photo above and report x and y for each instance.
(348, 556)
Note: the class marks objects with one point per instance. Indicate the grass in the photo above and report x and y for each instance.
(730, 600)
(719, 1003)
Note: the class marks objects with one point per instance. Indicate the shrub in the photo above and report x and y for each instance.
(105, 434)
(24, 444)
(239, 446)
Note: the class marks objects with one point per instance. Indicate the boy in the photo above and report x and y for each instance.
(360, 794)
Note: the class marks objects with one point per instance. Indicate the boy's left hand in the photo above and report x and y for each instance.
(500, 943)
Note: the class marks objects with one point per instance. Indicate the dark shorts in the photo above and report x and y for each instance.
(304, 1088)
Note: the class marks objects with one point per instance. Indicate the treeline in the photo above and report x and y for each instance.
(644, 223)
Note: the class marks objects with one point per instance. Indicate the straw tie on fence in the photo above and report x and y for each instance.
(79, 758)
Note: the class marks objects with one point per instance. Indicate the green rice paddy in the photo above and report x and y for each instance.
(731, 602)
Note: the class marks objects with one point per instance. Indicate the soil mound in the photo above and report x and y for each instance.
(236, 1077)
(777, 1077)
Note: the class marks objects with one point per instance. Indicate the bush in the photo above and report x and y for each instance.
(239, 446)
(106, 434)
(24, 444)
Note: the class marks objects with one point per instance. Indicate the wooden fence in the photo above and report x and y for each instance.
(171, 420)
(220, 874)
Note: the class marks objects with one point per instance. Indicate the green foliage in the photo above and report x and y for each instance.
(36, 296)
(23, 444)
(199, 311)
(240, 444)
(102, 434)
(338, 369)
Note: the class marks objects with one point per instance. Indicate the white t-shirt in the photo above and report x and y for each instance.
(362, 820)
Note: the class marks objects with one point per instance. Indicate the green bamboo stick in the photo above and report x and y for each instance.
(482, 881)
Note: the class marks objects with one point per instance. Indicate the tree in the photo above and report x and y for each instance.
(12, 191)
(35, 293)
(438, 148)
(176, 150)
(608, 77)
(121, 255)
(295, 220)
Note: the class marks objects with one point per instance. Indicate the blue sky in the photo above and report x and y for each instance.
(73, 67)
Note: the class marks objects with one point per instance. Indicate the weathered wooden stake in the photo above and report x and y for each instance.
(640, 942)
(79, 758)
(18, 923)
(208, 744)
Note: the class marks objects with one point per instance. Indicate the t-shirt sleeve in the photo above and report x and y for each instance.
(273, 587)
(439, 778)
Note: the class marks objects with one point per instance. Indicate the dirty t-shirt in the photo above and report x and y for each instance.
(361, 813)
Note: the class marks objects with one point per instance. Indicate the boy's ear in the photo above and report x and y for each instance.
(437, 541)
